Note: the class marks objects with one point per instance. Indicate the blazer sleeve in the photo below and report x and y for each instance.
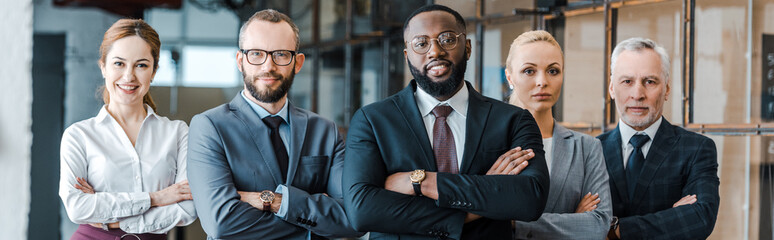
(322, 214)
(494, 196)
(162, 219)
(370, 207)
(693, 221)
(588, 225)
(217, 202)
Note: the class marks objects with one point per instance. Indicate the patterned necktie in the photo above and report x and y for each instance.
(276, 142)
(636, 160)
(443, 141)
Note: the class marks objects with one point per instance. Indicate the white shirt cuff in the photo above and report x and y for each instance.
(283, 210)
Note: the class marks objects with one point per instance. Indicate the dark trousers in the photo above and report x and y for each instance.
(87, 232)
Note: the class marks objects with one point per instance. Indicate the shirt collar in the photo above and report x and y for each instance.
(627, 131)
(104, 115)
(458, 102)
(262, 113)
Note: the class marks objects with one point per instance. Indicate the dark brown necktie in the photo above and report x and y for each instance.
(276, 142)
(443, 141)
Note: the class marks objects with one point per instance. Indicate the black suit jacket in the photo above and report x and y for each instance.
(389, 136)
(679, 163)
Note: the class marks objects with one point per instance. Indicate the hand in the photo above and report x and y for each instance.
(687, 200)
(254, 199)
(83, 186)
(511, 162)
(471, 217)
(173, 194)
(400, 182)
(588, 203)
(110, 225)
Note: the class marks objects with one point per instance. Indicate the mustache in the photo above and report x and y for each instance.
(434, 61)
(269, 75)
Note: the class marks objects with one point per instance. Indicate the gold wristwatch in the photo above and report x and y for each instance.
(267, 197)
(416, 177)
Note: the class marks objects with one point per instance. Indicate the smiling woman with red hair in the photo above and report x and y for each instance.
(123, 172)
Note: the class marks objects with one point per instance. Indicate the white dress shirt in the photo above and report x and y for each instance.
(123, 176)
(548, 147)
(627, 132)
(456, 119)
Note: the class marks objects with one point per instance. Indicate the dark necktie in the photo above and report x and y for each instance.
(276, 142)
(443, 141)
(636, 160)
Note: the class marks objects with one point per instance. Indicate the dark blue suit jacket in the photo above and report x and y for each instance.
(389, 136)
(679, 163)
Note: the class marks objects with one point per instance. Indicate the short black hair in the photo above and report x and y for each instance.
(436, 7)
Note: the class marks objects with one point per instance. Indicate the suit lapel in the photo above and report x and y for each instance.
(659, 150)
(614, 159)
(406, 104)
(478, 113)
(259, 134)
(298, 123)
(560, 163)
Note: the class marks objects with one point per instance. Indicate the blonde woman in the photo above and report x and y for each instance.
(578, 205)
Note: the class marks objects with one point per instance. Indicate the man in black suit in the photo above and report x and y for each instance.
(663, 179)
(438, 159)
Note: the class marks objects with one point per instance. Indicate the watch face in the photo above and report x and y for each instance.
(267, 196)
(417, 176)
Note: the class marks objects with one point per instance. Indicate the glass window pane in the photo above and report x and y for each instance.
(497, 43)
(167, 23)
(363, 17)
(330, 94)
(720, 65)
(333, 20)
(505, 7)
(301, 12)
(202, 25)
(466, 8)
(584, 80)
(763, 17)
(166, 74)
(732, 151)
(367, 69)
(660, 22)
(470, 70)
(301, 91)
(206, 66)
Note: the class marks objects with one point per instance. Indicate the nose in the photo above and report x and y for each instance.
(541, 80)
(638, 92)
(268, 65)
(128, 73)
(436, 51)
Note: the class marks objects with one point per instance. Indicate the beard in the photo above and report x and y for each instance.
(268, 95)
(641, 122)
(442, 88)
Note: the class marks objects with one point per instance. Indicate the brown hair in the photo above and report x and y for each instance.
(127, 28)
(269, 15)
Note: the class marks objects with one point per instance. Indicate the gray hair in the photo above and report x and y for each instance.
(637, 44)
(269, 15)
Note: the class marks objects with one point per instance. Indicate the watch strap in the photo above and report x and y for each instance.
(417, 188)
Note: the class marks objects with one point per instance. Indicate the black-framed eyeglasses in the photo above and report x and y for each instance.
(422, 44)
(258, 56)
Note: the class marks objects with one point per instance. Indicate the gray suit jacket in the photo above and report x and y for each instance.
(577, 168)
(229, 150)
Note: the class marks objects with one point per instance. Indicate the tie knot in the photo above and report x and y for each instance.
(638, 140)
(273, 121)
(442, 111)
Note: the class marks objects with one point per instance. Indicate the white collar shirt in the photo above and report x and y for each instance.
(122, 175)
(627, 132)
(456, 120)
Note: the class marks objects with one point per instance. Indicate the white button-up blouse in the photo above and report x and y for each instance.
(123, 176)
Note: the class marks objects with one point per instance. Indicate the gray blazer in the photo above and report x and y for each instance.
(577, 167)
(229, 150)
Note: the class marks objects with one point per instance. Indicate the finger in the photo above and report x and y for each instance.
(519, 168)
(506, 158)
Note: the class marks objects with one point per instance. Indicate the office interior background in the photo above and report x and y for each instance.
(722, 78)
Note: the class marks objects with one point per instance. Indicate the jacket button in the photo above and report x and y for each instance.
(314, 224)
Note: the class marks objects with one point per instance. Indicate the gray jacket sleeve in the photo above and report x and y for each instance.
(589, 225)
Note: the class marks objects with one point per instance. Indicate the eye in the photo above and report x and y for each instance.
(554, 71)
(528, 71)
(142, 65)
(281, 54)
(118, 64)
(650, 82)
(420, 44)
(627, 81)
